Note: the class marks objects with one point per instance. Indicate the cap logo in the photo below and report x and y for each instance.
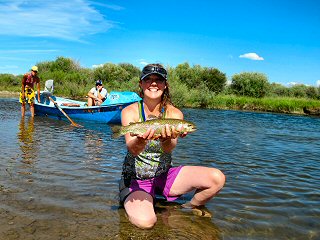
(148, 70)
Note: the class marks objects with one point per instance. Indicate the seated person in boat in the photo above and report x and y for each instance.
(97, 94)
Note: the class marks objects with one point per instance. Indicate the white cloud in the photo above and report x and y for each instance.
(97, 65)
(70, 20)
(252, 56)
(143, 62)
(292, 83)
(297, 83)
(318, 83)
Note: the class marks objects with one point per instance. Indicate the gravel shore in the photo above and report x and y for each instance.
(9, 94)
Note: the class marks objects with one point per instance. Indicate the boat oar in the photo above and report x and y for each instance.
(64, 113)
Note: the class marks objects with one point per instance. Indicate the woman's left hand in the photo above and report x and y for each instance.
(170, 132)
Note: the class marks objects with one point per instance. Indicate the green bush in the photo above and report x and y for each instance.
(9, 80)
(179, 91)
(250, 84)
(279, 90)
(312, 92)
(199, 97)
(189, 86)
(132, 70)
(189, 76)
(112, 74)
(60, 64)
(213, 79)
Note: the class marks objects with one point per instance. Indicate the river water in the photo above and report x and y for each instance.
(61, 182)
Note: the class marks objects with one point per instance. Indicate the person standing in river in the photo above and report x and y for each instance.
(147, 168)
(27, 94)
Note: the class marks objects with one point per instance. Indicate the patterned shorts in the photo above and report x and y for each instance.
(28, 96)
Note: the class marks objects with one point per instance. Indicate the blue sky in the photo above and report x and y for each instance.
(280, 38)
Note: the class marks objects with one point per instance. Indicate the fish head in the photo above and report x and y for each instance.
(189, 127)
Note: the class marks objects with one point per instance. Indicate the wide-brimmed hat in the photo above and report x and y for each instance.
(34, 68)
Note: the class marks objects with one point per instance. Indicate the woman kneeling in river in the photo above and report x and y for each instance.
(147, 168)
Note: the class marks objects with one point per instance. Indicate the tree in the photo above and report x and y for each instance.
(251, 84)
(60, 64)
(279, 90)
(131, 69)
(112, 74)
(8, 80)
(298, 91)
(312, 92)
(213, 79)
(189, 76)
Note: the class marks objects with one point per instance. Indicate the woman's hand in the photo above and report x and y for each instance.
(170, 132)
(148, 135)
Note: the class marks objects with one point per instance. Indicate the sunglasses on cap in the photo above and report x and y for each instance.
(148, 70)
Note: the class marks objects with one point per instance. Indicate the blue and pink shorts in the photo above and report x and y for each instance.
(160, 185)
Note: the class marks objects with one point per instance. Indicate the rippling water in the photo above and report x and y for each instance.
(61, 182)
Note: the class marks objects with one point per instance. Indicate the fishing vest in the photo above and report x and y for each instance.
(150, 163)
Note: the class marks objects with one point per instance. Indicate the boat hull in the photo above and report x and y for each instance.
(108, 112)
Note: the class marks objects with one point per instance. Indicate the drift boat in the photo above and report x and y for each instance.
(108, 112)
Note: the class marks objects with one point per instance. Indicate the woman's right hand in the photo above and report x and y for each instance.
(148, 135)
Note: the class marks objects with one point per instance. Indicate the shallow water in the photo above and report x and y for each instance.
(61, 182)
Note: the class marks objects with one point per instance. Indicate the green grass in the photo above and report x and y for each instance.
(77, 88)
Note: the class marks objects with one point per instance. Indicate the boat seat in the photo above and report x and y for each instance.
(70, 104)
(48, 87)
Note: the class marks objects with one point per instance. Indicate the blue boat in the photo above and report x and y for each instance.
(108, 112)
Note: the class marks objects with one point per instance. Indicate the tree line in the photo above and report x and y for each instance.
(193, 86)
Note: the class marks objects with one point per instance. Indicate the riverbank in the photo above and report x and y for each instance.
(285, 105)
(8, 94)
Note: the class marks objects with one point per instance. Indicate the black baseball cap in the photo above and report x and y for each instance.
(98, 82)
(151, 69)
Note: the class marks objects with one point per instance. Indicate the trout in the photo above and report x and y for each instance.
(156, 124)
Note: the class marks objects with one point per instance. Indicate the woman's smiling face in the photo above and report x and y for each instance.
(153, 85)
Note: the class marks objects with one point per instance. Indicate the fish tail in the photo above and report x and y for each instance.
(116, 131)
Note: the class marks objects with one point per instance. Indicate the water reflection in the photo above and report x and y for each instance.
(173, 222)
(27, 144)
(93, 144)
(271, 163)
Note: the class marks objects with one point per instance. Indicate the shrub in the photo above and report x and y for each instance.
(298, 91)
(60, 64)
(111, 73)
(250, 84)
(213, 79)
(132, 70)
(189, 76)
(7, 80)
(279, 90)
